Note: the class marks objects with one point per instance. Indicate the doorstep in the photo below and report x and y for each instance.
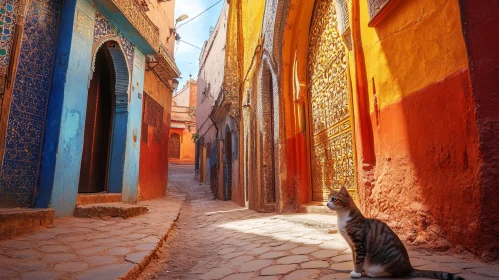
(18, 221)
(314, 208)
(101, 210)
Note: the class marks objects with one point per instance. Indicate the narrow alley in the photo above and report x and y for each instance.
(215, 239)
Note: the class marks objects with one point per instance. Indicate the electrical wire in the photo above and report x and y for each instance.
(190, 44)
(199, 14)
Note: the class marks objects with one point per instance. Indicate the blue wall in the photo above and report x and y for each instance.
(26, 121)
(53, 125)
(131, 172)
(66, 122)
(72, 119)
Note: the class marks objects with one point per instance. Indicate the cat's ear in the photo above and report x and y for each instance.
(344, 191)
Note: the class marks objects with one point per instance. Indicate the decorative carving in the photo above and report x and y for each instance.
(153, 117)
(332, 143)
(84, 24)
(140, 21)
(105, 30)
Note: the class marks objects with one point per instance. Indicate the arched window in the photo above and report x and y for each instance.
(174, 145)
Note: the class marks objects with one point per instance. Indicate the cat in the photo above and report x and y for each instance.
(376, 249)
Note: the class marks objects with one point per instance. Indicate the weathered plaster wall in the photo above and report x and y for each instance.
(424, 127)
(153, 170)
(162, 15)
(182, 98)
(210, 78)
(28, 104)
(72, 119)
(481, 35)
(132, 152)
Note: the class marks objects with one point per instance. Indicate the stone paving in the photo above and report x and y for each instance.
(82, 248)
(221, 240)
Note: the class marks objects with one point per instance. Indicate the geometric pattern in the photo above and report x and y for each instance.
(8, 10)
(26, 123)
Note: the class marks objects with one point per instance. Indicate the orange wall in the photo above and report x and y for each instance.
(187, 146)
(153, 170)
(424, 130)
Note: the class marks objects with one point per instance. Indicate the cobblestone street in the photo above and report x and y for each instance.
(219, 240)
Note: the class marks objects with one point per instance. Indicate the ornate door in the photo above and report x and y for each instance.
(332, 147)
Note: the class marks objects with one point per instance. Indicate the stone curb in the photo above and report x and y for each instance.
(138, 268)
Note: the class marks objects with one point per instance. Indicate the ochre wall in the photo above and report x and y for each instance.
(417, 142)
(423, 124)
(187, 146)
(153, 172)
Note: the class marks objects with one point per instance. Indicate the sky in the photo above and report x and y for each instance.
(194, 32)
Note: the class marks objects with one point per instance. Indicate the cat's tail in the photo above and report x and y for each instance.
(434, 275)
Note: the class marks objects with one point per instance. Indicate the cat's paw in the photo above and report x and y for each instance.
(354, 274)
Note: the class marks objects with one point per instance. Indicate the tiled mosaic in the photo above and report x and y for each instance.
(23, 141)
(84, 24)
(105, 29)
(8, 10)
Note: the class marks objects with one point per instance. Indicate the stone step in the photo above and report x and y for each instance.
(118, 209)
(92, 198)
(18, 221)
(315, 208)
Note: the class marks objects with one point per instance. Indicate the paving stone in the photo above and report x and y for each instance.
(217, 273)
(489, 271)
(286, 246)
(118, 251)
(274, 244)
(440, 267)
(323, 254)
(415, 262)
(273, 255)
(6, 274)
(232, 255)
(338, 276)
(23, 254)
(227, 251)
(110, 271)
(100, 260)
(146, 246)
(240, 260)
(37, 275)
(254, 265)
(71, 266)
(136, 257)
(293, 259)
(303, 274)
(259, 251)
(278, 269)
(265, 278)
(342, 258)
(344, 266)
(55, 249)
(27, 266)
(303, 250)
(91, 250)
(239, 276)
(58, 257)
(467, 265)
(333, 245)
(315, 264)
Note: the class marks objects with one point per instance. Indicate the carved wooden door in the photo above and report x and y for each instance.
(332, 146)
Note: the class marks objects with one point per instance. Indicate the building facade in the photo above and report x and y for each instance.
(72, 113)
(388, 98)
(210, 83)
(183, 125)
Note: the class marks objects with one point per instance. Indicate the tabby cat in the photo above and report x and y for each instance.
(376, 249)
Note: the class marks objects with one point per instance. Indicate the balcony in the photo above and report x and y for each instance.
(163, 65)
(131, 18)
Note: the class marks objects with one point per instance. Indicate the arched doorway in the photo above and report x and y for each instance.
(228, 164)
(97, 133)
(105, 122)
(174, 146)
(332, 146)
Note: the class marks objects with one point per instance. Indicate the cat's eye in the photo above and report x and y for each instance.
(334, 199)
